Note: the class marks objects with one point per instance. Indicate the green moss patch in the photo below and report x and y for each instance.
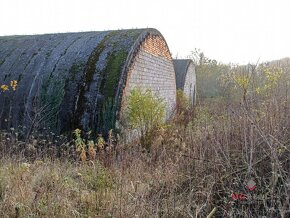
(109, 87)
(75, 68)
(114, 49)
(113, 70)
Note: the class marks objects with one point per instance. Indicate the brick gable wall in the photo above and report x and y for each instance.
(153, 69)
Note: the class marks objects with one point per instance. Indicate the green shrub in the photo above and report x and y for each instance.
(145, 112)
(97, 180)
(182, 102)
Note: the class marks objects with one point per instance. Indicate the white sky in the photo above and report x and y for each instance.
(237, 31)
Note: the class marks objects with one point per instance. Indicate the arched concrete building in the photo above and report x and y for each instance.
(186, 77)
(80, 80)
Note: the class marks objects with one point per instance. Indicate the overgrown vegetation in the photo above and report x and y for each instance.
(184, 112)
(208, 73)
(199, 163)
(145, 114)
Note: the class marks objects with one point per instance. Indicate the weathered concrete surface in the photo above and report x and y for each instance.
(69, 80)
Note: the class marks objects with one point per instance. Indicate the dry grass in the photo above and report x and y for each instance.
(190, 170)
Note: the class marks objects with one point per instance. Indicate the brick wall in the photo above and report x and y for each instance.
(190, 83)
(153, 69)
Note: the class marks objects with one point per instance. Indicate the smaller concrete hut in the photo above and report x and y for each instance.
(186, 77)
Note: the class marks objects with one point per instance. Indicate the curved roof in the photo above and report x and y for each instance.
(64, 79)
(181, 67)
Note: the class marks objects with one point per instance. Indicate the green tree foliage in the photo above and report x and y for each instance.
(208, 72)
(238, 82)
(145, 113)
(250, 82)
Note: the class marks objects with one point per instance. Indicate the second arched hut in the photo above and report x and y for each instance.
(186, 78)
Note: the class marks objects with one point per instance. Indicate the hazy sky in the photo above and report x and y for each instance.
(237, 31)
